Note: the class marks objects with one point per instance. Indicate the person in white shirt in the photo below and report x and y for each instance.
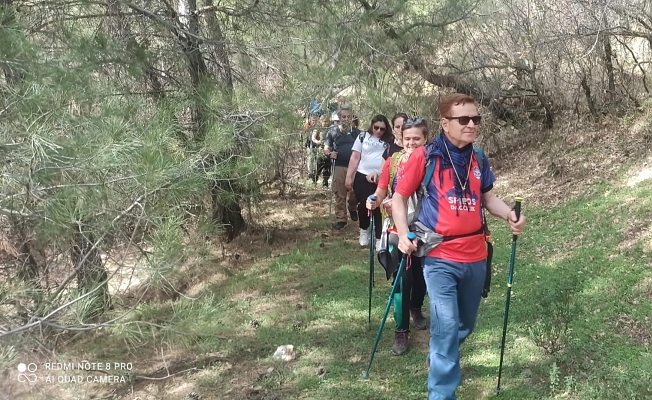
(367, 157)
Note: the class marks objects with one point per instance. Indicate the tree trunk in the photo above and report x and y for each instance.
(90, 274)
(227, 211)
(549, 118)
(608, 61)
(196, 65)
(221, 53)
(29, 270)
(587, 93)
(226, 208)
(123, 33)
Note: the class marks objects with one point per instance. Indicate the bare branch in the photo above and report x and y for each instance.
(228, 11)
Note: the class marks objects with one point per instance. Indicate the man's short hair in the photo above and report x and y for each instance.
(451, 100)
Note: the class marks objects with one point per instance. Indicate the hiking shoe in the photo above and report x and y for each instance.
(400, 343)
(354, 215)
(340, 225)
(364, 237)
(418, 319)
(324, 185)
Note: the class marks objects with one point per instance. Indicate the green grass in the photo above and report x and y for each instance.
(579, 323)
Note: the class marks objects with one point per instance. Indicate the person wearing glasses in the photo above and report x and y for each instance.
(339, 140)
(367, 158)
(454, 270)
(408, 299)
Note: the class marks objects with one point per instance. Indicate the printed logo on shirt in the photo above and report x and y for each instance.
(477, 173)
(374, 142)
(462, 203)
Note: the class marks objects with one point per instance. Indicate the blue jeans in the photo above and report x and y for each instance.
(454, 290)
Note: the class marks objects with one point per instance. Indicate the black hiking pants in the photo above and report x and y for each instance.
(363, 189)
(414, 289)
(324, 168)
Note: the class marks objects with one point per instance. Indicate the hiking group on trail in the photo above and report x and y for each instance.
(437, 190)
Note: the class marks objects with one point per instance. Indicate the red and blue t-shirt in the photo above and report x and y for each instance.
(443, 211)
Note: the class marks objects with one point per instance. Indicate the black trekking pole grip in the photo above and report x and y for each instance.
(517, 207)
(517, 211)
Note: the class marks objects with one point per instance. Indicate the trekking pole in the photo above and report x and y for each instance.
(330, 205)
(401, 266)
(510, 277)
(371, 260)
(316, 167)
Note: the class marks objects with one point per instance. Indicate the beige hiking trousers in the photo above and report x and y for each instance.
(340, 192)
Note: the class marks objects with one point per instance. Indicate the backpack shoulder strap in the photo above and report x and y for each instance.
(430, 169)
(479, 156)
(362, 136)
(393, 168)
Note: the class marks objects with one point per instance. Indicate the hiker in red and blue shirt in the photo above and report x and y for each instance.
(454, 270)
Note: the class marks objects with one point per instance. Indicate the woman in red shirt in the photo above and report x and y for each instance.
(412, 290)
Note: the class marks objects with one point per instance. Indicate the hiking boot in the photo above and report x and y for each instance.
(418, 319)
(324, 185)
(354, 215)
(364, 237)
(340, 225)
(400, 343)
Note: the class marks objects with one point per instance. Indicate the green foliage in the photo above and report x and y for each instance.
(7, 356)
(554, 378)
(550, 323)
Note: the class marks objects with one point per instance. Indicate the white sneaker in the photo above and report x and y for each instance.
(377, 245)
(364, 237)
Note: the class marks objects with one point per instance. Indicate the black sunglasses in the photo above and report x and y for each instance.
(379, 128)
(466, 119)
(412, 122)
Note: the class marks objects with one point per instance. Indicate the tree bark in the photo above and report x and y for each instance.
(196, 64)
(543, 99)
(608, 60)
(587, 94)
(91, 273)
(226, 208)
(220, 53)
(227, 211)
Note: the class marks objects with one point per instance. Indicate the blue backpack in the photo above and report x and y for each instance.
(314, 108)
